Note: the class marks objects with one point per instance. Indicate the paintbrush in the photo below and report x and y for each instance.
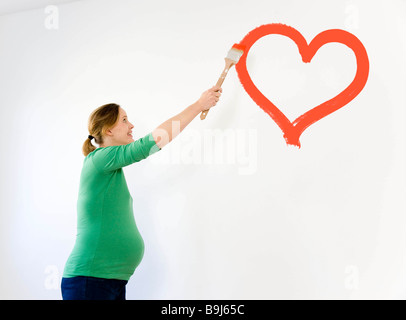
(232, 58)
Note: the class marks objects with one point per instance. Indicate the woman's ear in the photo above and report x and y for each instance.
(108, 132)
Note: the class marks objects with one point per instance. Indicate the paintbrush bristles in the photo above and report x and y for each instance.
(236, 52)
(234, 55)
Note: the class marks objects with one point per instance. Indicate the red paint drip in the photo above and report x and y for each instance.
(293, 130)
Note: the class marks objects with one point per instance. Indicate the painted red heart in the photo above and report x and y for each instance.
(293, 130)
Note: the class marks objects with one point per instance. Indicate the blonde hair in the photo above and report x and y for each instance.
(100, 120)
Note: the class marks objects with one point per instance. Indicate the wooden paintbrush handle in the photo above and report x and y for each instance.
(229, 64)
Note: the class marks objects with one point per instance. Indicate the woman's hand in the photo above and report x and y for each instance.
(209, 98)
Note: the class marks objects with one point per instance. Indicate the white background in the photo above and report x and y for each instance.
(242, 217)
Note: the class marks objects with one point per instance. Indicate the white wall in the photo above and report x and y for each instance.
(242, 217)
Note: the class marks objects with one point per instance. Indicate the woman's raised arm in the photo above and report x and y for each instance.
(168, 130)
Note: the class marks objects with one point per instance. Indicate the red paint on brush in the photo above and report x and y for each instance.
(293, 130)
(238, 47)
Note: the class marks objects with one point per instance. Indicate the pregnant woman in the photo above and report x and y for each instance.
(108, 245)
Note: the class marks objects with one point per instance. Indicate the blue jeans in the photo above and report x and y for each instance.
(91, 288)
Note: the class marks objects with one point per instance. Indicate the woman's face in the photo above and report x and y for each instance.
(122, 131)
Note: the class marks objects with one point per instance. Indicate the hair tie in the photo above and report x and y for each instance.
(90, 137)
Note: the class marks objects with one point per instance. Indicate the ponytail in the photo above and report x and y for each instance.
(88, 147)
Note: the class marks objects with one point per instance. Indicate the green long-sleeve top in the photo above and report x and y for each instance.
(108, 243)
